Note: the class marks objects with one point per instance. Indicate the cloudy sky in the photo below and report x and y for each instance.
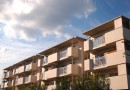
(31, 26)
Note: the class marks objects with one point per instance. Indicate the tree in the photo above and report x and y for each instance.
(91, 82)
(32, 87)
(63, 84)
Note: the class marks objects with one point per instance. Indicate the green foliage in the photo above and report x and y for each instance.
(63, 84)
(32, 87)
(91, 82)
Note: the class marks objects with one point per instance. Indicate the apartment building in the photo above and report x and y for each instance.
(107, 51)
(64, 59)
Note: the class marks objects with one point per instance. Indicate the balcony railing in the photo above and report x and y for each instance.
(100, 61)
(5, 84)
(28, 67)
(21, 69)
(26, 79)
(7, 74)
(19, 81)
(30, 79)
(62, 54)
(44, 61)
(98, 41)
(62, 70)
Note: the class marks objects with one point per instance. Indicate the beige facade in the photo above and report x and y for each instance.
(108, 52)
(64, 59)
(105, 51)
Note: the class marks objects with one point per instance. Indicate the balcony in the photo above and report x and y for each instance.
(52, 58)
(21, 69)
(28, 67)
(40, 76)
(43, 61)
(19, 81)
(110, 59)
(31, 66)
(6, 74)
(16, 71)
(69, 52)
(88, 45)
(71, 69)
(88, 65)
(119, 82)
(50, 74)
(30, 79)
(98, 41)
(8, 84)
(5, 84)
(105, 39)
(110, 36)
(100, 61)
(11, 73)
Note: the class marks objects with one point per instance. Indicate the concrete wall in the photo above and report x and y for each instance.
(52, 58)
(88, 45)
(34, 65)
(118, 23)
(72, 69)
(51, 74)
(118, 82)
(88, 65)
(114, 35)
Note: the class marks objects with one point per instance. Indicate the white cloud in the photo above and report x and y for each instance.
(31, 19)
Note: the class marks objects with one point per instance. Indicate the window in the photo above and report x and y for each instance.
(98, 41)
(63, 53)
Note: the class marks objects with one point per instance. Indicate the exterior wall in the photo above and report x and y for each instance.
(20, 81)
(50, 74)
(118, 23)
(72, 69)
(88, 65)
(88, 45)
(110, 36)
(52, 58)
(119, 82)
(117, 58)
(34, 65)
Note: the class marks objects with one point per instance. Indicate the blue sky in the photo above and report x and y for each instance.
(31, 26)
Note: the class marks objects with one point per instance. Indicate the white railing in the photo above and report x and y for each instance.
(44, 60)
(63, 53)
(98, 41)
(26, 79)
(62, 70)
(100, 61)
